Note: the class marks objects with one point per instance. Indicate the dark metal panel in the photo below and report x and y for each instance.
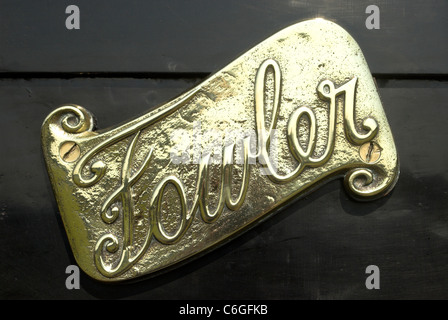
(318, 248)
(203, 36)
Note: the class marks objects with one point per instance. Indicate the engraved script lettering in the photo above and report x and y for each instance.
(120, 201)
(294, 112)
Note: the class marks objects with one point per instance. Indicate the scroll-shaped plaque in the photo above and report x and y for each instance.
(297, 110)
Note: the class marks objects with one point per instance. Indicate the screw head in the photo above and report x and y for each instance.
(69, 151)
(370, 152)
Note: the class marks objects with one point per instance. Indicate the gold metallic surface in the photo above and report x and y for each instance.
(69, 151)
(370, 152)
(134, 202)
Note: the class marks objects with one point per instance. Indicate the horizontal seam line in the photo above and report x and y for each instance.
(189, 75)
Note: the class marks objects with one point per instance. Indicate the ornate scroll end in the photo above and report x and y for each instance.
(62, 132)
(379, 171)
(66, 134)
(71, 119)
(368, 184)
(295, 111)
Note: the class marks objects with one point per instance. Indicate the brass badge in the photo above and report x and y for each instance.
(299, 109)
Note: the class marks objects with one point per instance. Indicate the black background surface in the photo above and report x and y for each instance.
(130, 56)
